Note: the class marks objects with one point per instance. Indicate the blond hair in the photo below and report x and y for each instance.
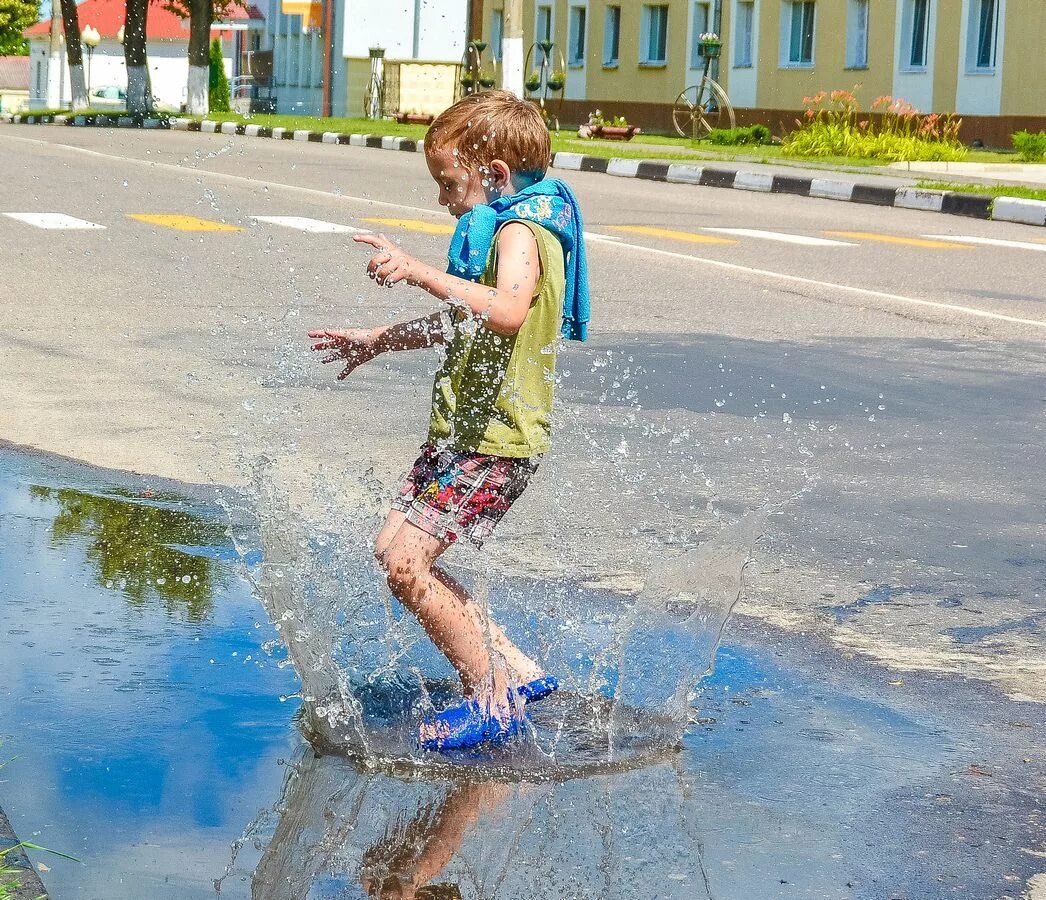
(493, 125)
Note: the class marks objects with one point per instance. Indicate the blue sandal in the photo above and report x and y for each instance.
(468, 725)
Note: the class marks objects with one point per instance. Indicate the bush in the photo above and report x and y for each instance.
(1030, 147)
(732, 137)
(218, 97)
(833, 126)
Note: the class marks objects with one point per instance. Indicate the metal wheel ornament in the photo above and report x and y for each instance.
(374, 98)
(700, 108)
(545, 82)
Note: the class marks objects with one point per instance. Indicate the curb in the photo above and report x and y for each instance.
(976, 206)
(28, 881)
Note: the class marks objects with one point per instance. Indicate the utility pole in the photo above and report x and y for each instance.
(512, 48)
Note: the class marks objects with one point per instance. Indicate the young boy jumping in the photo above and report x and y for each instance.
(517, 278)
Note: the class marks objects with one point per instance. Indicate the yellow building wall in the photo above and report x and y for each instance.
(784, 87)
(1024, 59)
(946, 56)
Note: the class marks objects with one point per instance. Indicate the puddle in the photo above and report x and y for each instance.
(141, 694)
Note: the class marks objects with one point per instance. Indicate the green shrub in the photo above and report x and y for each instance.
(732, 137)
(1030, 147)
(218, 97)
(833, 126)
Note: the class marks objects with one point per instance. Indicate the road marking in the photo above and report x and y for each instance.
(895, 239)
(990, 242)
(312, 226)
(596, 236)
(782, 236)
(55, 221)
(330, 197)
(414, 225)
(850, 289)
(688, 236)
(182, 223)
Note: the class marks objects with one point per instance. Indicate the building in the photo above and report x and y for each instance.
(423, 42)
(167, 47)
(14, 83)
(979, 58)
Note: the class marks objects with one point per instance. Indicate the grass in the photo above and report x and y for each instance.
(986, 190)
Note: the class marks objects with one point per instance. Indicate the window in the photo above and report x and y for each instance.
(797, 33)
(982, 35)
(653, 37)
(744, 24)
(543, 31)
(497, 29)
(915, 20)
(611, 35)
(578, 16)
(857, 35)
(702, 23)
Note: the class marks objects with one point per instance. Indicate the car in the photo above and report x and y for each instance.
(111, 96)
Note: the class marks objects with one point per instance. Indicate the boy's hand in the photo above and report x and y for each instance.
(356, 346)
(391, 264)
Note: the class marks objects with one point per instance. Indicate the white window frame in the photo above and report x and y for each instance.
(701, 21)
(578, 36)
(611, 36)
(788, 13)
(974, 36)
(497, 33)
(650, 12)
(744, 34)
(857, 27)
(548, 33)
(908, 23)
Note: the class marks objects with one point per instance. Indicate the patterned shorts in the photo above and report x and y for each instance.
(450, 494)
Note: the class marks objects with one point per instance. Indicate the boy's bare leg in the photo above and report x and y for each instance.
(455, 624)
(521, 667)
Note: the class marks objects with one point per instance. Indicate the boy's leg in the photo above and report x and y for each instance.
(522, 668)
(454, 622)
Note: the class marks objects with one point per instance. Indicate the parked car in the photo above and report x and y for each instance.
(112, 96)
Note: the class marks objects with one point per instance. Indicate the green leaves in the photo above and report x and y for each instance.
(15, 17)
(218, 93)
(1030, 147)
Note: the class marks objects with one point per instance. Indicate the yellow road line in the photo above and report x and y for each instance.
(414, 225)
(183, 223)
(687, 236)
(894, 239)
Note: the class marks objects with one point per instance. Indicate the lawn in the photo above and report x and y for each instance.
(985, 190)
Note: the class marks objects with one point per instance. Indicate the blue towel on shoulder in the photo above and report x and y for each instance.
(549, 203)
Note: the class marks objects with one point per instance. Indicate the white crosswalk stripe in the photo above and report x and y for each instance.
(54, 221)
(989, 242)
(781, 236)
(312, 226)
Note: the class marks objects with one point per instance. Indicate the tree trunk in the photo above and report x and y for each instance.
(71, 25)
(201, 15)
(139, 93)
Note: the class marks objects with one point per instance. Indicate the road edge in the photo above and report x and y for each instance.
(29, 885)
(977, 206)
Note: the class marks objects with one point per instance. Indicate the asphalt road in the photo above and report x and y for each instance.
(885, 389)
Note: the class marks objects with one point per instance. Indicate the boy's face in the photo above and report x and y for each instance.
(460, 188)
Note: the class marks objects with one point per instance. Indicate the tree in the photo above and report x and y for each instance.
(15, 17)
(201, 15)
(219, 84)
(135, 54)
(75, 53)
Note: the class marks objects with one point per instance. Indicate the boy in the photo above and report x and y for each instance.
(517, 278)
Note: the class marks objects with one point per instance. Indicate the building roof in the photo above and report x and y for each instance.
(163, 25)
(14, 73)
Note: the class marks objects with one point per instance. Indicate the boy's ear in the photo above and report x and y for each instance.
(500, 175)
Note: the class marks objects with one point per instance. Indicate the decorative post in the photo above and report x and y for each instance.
(90, 38)
(377, 82)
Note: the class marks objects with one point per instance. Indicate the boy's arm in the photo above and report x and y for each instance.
(503, 308)
(358, 345)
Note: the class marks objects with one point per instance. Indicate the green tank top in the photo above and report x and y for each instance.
(493, 394)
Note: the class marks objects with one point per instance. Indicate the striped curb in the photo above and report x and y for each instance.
(976, 206)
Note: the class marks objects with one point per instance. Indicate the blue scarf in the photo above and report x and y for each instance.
(549, 203)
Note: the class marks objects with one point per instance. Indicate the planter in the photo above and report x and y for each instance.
(615, 132)
(710, 50)
(556, 82)
(413, 119)
(480, 46)
(487, 83)
(532, 84)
